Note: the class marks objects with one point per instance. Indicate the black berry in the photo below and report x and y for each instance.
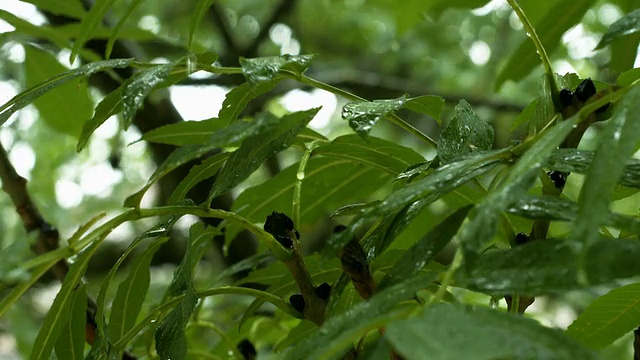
(566, 97)
(247, 349)
(281, 227)
(585, 90)
(297, 301)
(323, 291)
(559, 178)
(521, 238)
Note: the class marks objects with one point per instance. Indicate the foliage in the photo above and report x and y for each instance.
(512, 201)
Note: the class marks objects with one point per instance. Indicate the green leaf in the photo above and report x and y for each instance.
(184, 133)
(628, 77)
(526, 116)
(481, 229)
(40, 66)
(237, 99)
(171, 342)
(608, 318)
(338, 332)
(484, 334)
(28, 96)
(256, 149)
(579, 161)
(88, 25)
(130, 295)
(328, 183)
(263, 69)
(424, 250)
(465, 133)
(626, 25)
(374, 152)
(60, 310)
(70, 344)
(136, 89)
(616, 145)
(115, 31)
(228, 136)
(109, 106)
(70, 8)
(547, 266)
(197, 174)
(202, 6)
(363, 115)
(550, 30)
(431, 105)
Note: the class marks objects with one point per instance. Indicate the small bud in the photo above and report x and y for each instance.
(281, 227)
(247, 349)
(521, 238)
(585, 90)
(323, 291)
(559, 178)
(297, 301)
(566, 97)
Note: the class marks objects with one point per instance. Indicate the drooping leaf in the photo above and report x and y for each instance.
(89, 23)
(547, 266)
(171, 342)
(197, 174)
(41, 66)
(484, 334)
(136, 89)
(362, 116)
(237, 99)
(477, 233)
(431, 105)
(338, 332)
(626, 25)
(608, 318)
(130, 295)
(616, 145)
(70, 344)
(256, 149)
(424, 250)
(374, 152)
(465, 133)
(184, 133)
(109, 106)
(201, 7)
(263, 69)
(550, 30)
(28, 96)
(227, 136)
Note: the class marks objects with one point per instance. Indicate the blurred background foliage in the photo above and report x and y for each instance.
(471, 49)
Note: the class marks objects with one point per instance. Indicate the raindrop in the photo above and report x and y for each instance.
(300, 175)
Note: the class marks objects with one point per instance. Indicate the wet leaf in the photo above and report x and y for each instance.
(237, 99)
(431, 105)
(617, 143)
(608, 318)
(338, 333)
(259, 70)
(228, 136)
(256, 149)
(550, 29)
(465, 133)
(425, 249)
(109, 106)
(362, 116)
(208, 168)
(374, 152)
(136, 89)
(486, 334)
(184, 133)
(548, 266)
(28, 96)
(626, 25)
